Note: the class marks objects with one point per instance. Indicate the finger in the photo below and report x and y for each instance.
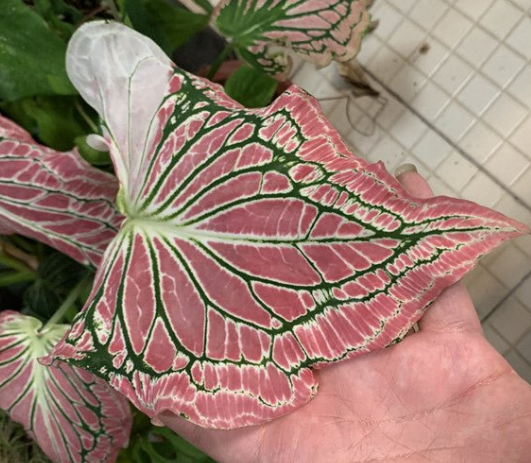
(414, 183)
(454, 309)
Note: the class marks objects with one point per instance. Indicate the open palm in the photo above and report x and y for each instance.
(441, 395)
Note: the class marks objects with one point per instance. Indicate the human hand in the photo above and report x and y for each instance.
(441, 395)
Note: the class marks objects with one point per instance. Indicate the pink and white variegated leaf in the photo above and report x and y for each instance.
(319, 31)
(72, 414)
(256, 245)
(55, 197)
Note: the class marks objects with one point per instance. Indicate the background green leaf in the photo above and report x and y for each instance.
(53, 121)
(250, 87)
(31, 55)
(56, 276)
(162, 445)
(168, 25)
(59, 15)
(92, 156)
(151, 444)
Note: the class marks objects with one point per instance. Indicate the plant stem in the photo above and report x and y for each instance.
(21, 243)
(15, 264)
(111, 6)
(15, 257)
(221, 58)
(67, 304)
(200, 7)
(91, 14)
(9, 279)
(85, 116)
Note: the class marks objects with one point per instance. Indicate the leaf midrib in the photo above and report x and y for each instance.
(160, 228)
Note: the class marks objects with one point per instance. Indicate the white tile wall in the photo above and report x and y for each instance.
(453, 74)
(478, 94)
(522, 137)
(431, 100)
(456, 170)
(432, 149)
(477, 46)
(519, 37)
(452, 28)
(433, 59)
(525, 5)
(480, 142)
(406, 38)
(521, 86)
(511, 320)
(503, 65)
(472, 8)
(507, 163)
(455, 121)
(428, 12)
(483, 190)
(501, 345)
(455, 82)
(523, 292)
(486, 290)
(519, 364)
(505, 114)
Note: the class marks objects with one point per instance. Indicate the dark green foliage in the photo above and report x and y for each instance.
(250, 87)
(150, 444)
(31, 55)
(15, 273)
(57, 275)
(53, 121)
(15, 445)
(166, 24)
(34, 88)
(92, 156)
(59, 15)
(164, 446)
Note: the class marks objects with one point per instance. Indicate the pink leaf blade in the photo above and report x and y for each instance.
(318, 31)
(73, 415)
(55, 197)
(260, 246)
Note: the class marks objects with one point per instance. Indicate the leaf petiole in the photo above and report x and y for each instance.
(12, 278)
(219, 61)
(15, 264)
(112, 9)
(85, 116)
(21, 243)
(67, 304)
(205, 4)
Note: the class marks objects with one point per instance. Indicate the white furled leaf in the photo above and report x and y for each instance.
(125, 84)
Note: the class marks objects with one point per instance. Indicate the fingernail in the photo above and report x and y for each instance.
(405, 168)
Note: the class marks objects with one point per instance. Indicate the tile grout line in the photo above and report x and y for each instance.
(507, 296)
(453, 144)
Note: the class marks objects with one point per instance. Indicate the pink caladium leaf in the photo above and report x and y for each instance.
(72, 414)
(317, 30)
(55, 197)
(256, 245)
